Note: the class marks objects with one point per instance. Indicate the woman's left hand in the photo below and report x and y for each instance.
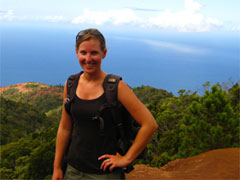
(113, 161)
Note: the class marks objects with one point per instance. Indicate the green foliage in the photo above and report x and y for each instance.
(29, 158)
(47, 101)
(189, 124)
(41, 160)
(210, 124)
(6, 173)
(32, 85)
(19, 119)
(11, 91)
(149, 94)
(44, 97)
(234, 96)
(55, 113)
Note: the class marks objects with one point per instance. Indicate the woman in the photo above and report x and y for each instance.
(87, 158)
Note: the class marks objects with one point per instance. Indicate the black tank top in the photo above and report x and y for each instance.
(87, 143)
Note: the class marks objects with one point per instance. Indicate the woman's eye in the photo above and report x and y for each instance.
(83, 52)
(94, 52)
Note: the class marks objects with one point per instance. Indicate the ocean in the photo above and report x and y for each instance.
(164, 60)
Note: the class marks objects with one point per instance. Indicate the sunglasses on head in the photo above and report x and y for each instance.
(94, 32)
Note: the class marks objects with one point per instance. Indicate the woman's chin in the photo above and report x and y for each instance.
(89, 70)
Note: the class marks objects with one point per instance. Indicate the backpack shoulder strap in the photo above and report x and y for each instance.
(72, 83)
(110, 86)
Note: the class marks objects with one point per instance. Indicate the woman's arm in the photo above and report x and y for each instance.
(142, 115)
(148, 126)
(63, 134)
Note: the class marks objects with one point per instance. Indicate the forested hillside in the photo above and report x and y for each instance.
(43, 96)
(17, 120)
(192, 124)
(189, 124)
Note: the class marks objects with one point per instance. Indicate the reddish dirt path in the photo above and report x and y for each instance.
(216, 164)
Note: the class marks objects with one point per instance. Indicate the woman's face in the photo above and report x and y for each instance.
(90, 55)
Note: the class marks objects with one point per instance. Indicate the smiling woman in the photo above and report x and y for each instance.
(91, 152)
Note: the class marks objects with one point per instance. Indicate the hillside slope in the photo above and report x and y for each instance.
(215, 164)
(43, 96)
(23, 87)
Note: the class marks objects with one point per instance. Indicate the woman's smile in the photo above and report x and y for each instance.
(89, 65)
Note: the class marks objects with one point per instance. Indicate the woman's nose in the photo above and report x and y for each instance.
(88, 57)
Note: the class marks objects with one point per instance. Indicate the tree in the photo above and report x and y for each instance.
(209, 124)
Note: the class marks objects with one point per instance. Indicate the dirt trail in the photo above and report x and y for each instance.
(216, 164)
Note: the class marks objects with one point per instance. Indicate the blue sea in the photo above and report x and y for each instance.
(164, 60)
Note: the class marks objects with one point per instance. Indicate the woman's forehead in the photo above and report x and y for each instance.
(92, 43)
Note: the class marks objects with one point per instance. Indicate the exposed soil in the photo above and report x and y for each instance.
(39, 90)
(216, 164)
(21, 87)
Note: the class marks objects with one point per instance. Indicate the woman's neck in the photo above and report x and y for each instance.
(94, 76)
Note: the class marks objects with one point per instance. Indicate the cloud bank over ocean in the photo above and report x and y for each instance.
(190, 18)
(187, 20)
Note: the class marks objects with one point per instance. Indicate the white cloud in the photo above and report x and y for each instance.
(7, 15)
(187, 20)
(167, 45)
(191, 6)
(236, 28)
(183, 48)
(213, 21)
(55, 18)
(10, 16)
(117, 17)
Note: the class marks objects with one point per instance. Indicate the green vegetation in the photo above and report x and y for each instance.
(11, 91)
(189, 124)
(29, 158)
(148, 94)
(45, 98)
(31, 85)
(46, 101)
(17, 120)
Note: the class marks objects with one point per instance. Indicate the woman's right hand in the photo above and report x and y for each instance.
(57, 174)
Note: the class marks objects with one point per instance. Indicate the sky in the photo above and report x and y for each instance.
(171, 15)
(192, 28)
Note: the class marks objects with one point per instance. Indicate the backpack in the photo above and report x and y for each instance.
(126, 126)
